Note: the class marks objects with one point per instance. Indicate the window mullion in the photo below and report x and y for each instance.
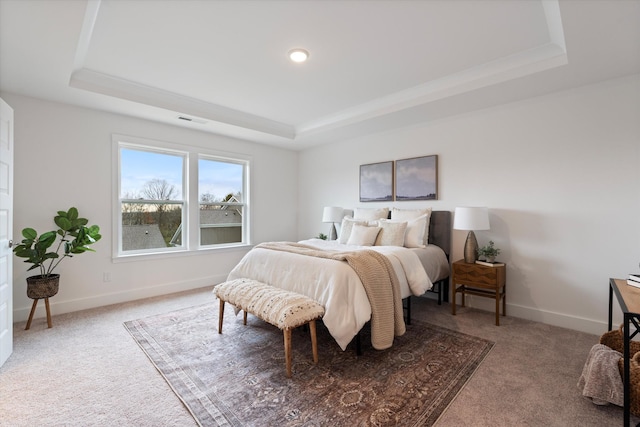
(194, 208)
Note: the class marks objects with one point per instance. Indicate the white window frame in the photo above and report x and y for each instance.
(191, 204)
(244, 204)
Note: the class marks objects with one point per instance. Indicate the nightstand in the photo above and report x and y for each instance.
(480, 280)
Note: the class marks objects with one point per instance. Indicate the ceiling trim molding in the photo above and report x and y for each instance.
(554, 23)
(88, 23)
(94, 81)
(512, 67)
(120, 88)
(544, 57)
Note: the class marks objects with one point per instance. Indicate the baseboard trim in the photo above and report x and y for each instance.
(561, 320)
(21, 314)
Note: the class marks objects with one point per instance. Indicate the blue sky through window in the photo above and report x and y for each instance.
(138, 167)
(219, 178)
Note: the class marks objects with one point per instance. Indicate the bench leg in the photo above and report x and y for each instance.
(314, 341)
(220, 316)
(287, 350)
(244, 318)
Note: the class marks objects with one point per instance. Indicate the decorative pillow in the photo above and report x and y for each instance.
(407, 214)
(414, 236)
(346, 227)
(391, 233)
(371, 214)
(362, 235)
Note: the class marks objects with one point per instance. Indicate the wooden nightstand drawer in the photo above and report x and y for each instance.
(478, 276)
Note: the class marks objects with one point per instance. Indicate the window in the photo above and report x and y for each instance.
(220, 198)
(151, 201)
(165, 190)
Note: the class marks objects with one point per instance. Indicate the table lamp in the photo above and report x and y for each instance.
(471, 218)
(332, 214)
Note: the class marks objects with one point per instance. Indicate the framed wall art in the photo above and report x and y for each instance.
(376, 182)
(417, 178)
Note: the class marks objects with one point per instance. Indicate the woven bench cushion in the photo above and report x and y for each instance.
(276, 306)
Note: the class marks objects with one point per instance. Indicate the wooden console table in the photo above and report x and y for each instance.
(629, 300)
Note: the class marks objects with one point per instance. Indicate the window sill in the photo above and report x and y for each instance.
(181, 253)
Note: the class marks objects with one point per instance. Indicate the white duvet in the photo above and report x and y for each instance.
(334, 284)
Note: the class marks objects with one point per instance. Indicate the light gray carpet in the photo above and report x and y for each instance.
(87, 371)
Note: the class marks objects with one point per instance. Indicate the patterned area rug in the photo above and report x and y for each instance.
(238, 378)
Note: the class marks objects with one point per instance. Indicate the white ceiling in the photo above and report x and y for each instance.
(374, 65)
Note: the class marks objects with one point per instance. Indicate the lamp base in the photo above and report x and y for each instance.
(471, 248)
(333, 235)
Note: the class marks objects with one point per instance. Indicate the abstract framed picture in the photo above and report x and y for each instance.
(376, 182)
(417, 178)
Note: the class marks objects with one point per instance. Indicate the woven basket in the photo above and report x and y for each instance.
(614, 340)
(39, 287)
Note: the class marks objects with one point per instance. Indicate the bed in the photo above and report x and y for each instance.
(337, 286)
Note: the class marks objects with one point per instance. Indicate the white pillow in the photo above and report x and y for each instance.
(391, 233)
(346, 227)
(414, 236)
(371, 214)
(362, 235)
(407, 214)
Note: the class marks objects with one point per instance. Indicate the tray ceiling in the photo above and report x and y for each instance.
(373, 65)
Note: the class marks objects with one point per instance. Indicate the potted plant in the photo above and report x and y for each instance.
(72, 237)
(488, 252)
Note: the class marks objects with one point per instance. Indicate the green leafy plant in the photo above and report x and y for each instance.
(488, 251)
(73, 237)
(322, 236)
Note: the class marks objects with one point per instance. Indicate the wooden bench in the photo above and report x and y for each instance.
(281, 308)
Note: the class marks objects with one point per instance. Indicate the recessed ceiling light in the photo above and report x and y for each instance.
(298, 55)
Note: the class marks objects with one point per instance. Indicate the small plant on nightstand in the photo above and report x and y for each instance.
(322, 236)
(489, 252)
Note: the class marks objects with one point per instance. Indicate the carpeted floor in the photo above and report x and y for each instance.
(238, 378)
(87, 371)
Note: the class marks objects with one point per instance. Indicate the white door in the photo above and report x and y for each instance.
(6, 226)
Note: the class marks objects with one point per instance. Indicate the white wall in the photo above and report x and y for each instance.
(560, 174)
(63, 159)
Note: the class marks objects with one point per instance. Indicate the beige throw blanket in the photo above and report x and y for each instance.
(600, 380)
(380, 283)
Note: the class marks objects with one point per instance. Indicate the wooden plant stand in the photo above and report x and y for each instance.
(42, 287)
(33, 310)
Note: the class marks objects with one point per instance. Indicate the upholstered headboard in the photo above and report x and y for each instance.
(440, 230)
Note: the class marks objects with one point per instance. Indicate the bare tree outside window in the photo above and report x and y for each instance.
(159, 189)
(207, 200)
(168, 216)
(132, 212)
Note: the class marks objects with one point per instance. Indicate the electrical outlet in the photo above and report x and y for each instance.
(106, 276)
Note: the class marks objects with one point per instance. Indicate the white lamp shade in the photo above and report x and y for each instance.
(332, 214)
(471, 218)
